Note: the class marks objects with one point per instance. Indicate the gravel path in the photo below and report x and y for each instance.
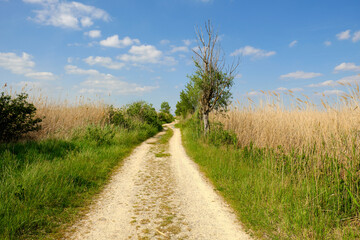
(159, 193)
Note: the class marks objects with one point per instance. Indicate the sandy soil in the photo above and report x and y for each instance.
(159, 193)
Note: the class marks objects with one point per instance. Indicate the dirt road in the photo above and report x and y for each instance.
(159, 193)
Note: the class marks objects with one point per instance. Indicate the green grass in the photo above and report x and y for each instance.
(278, 196)
(45, 184)
(166, 137)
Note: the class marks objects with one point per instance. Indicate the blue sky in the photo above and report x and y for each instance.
(128, 50)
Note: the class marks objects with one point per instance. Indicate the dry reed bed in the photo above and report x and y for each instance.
(61, 117)
(331, 129)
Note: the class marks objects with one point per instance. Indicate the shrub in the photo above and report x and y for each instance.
(144, 111)
(166, 117)
(219, 136)
(100, 135)
(17, 117)
(118, 117)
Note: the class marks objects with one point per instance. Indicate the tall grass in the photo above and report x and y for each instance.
(61, 116)
(46, 180)
(295, 169)
(297, 123)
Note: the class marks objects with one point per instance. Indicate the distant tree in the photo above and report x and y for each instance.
(189, 98)
(213, 77)
(165, 107)
(165, 116)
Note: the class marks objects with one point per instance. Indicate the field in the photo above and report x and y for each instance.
(49, 176)
(290, 167)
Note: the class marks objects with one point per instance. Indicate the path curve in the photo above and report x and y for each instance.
(159, 193)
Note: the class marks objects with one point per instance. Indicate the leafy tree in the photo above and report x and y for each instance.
(189, 98)
(17, 117)
(165, 116)
(212, 76)
(165, 107)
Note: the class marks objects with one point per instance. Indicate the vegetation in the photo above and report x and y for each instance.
(45, 182)
(290, 170)
(212, 77)
(17, 117)
(189, 98)
(164, 115)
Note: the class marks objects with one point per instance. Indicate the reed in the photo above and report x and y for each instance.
(61, 116)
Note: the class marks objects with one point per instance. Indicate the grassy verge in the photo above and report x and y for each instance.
(277, 196)
(44, 184)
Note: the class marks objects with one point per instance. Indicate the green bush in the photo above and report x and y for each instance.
(100, 135)
(17, 117)
(166, 117)
(144, 111)
(218, 136)
(118, 117)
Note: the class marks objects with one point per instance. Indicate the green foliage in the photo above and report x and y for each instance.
(214, 88)
(278, 195)
(100, 135)
(17, 117)
(218, 136)
(166, 117)
(118, 117)
(165, 107)
(44, 184)
(135, 115)
(145, 112)
(189, 98)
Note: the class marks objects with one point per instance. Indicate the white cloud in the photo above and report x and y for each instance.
(65, 14)
(329, 83)
(254, 93)
(254, 52)
(345, 80)
(301, 75)
(356, 36)
(293, 43)
(102, 83)
(281, 89)
(296, 89)
(93, 33)
(111, 85)
(16, 64)
(146, 54)
(71, 69)
(347, 67)
(23, 65)
(114, 41)
(238, 76)
(41, 75)
(175, 49)
(327, 43)
(164, 42)
(343, 35)
(331, 92)
(350, 79)
(104, 61)
(187, 42)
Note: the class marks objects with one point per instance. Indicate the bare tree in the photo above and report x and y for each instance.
(213, 76)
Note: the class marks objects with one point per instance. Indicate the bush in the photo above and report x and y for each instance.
(17, 117)
(100, 135)
(166, 117)
(144, 111)
(118, 117)
(218, 136)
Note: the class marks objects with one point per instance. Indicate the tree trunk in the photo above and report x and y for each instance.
(206, 123)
